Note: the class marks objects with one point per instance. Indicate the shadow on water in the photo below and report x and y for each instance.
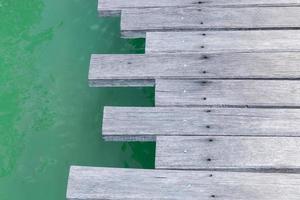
(134, 154)
(49, 117)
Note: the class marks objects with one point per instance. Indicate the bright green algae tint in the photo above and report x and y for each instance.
(49, 117)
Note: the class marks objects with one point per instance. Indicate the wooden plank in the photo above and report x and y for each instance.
(228, 153)
(245, 93)
(136, 22)
(138, 184)
(114, 7)
(143, 69)
(223, 41)
(139, 124)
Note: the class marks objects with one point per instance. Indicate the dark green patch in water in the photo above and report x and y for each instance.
(49, 117)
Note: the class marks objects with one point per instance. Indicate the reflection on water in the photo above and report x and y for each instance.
(49, 118)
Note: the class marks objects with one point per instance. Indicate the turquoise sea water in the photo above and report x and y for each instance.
(49, 117)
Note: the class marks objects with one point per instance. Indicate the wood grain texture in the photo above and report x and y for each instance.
(140, 124)
(136, 22)
(138, 184)
(114, 7)
(223, 41)
(251, 93)
(143, 69)
(228, 153)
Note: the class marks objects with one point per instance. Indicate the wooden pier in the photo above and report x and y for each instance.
(226, 119)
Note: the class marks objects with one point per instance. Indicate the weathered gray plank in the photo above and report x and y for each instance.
(223, 41)
(130, 123)
(143, 69)
(252, 93)
(137, 184)
(114, 7)
(136, 22)
(228, 153)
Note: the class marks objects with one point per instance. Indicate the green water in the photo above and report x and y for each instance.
(49, 117)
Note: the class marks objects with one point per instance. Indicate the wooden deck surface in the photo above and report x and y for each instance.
(133, 123)
(144, 69)
(227, 101)
(228, 153)
(244, 93)
(114, 7)
(223, 41)
(136, 184)
(136, 22)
